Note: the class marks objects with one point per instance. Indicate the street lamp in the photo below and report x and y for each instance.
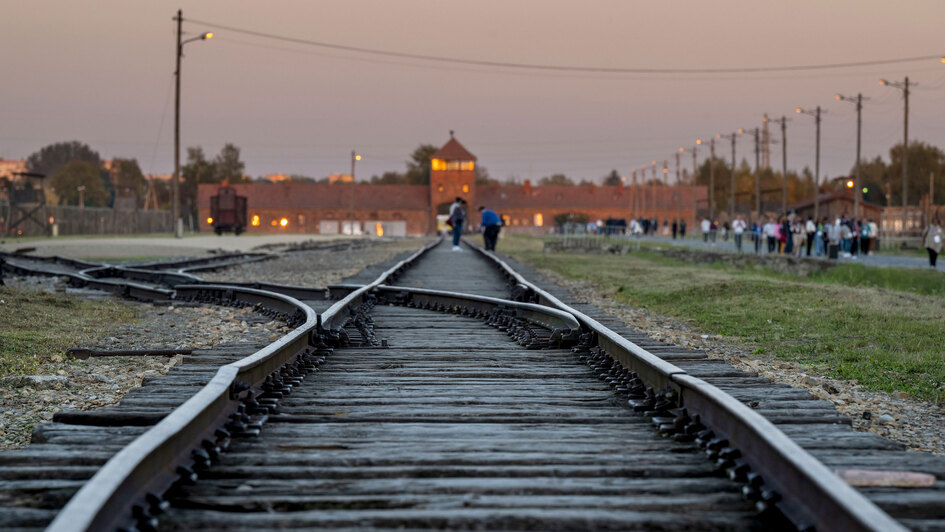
(904, 87)
(816, 115)
(175, 185)
(354, 158)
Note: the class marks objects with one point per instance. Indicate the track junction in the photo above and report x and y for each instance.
(399, 401)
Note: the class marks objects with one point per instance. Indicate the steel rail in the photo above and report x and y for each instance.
(136, 475)
(801, 486)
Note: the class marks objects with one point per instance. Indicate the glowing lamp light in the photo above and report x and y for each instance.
(357, 157)
(865, 190)
(209, 220)
(379, 229)
(284, 222)
(798, 110)
(255, 220)
(208, 35)
(698, 141)
(850, 184)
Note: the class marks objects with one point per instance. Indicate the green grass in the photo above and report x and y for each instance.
(35, 326)
(883, 327)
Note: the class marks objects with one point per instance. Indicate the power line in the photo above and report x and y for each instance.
(563, 68)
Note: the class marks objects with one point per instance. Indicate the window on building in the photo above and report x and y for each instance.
(465, 188)
(301, 220)
(255, 220)
(438, 164)
(539, 220)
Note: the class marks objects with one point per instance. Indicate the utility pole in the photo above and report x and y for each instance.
(904, 87)
(175, 184)
(678, 191)
(712, 179)
(757, 134)
(731, 192)
(783, 121)
(633, 194)
(816, 115)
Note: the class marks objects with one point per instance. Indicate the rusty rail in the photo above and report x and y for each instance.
(777, 473)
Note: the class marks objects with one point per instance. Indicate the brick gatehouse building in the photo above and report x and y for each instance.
(398, 210)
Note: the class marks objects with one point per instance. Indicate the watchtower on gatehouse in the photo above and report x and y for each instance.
(452, 175)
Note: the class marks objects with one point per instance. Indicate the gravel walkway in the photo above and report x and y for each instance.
(917, 424)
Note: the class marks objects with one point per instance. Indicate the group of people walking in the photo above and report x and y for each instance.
(490, 224)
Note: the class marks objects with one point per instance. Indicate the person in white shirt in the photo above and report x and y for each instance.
(738, 229)
(811, 229)
(771, 232)
(706, 226)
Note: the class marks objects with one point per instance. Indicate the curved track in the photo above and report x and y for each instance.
(382, 412)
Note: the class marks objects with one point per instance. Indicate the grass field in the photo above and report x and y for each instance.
(883, 327)
(35, 326)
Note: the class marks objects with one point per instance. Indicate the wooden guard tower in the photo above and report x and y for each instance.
(27, 202)
(452, 175)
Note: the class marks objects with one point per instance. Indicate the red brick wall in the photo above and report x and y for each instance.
(416, 219)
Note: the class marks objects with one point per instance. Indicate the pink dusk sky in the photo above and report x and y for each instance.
(102, 73)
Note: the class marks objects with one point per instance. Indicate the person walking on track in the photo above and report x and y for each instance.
(490, 224)
(456, 220)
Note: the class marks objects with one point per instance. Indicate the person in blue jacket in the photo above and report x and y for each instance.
(490, 225)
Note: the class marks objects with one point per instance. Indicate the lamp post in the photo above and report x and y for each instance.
(354, 158)
(731, 192)
(816, 115)
(175, 184)
(904, 87)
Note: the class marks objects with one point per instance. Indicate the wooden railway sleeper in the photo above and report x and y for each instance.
(676, 423)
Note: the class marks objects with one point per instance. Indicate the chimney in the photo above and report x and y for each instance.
(527, 187)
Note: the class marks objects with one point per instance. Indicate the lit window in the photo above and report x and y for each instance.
(539, 220)
(275, 223)
(255, 220)
(301, 219)
(467, 165)
(506, 221)
(465, 188)
(438, 164)
(283, 222)
(379, 229)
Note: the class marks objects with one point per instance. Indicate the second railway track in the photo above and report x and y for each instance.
(423, 417)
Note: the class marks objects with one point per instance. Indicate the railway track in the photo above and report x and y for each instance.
(407, 406)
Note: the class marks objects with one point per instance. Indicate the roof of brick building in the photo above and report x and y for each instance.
(453, 151)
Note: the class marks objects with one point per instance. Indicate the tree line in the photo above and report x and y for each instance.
(71, 165)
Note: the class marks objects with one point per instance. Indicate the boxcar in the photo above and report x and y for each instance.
(228, 211)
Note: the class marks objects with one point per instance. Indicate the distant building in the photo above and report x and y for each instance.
(422, 209)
